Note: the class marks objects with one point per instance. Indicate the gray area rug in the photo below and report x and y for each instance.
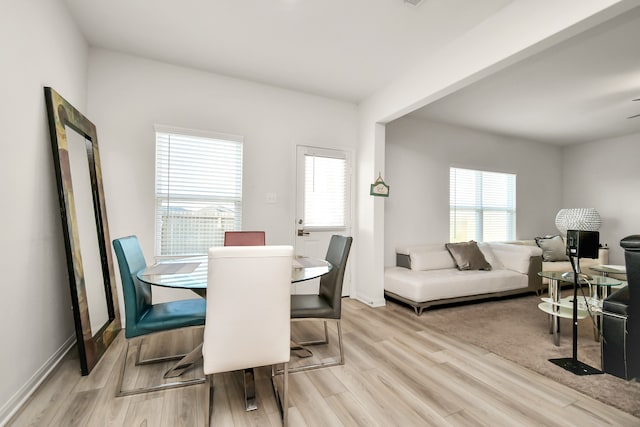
(517, 330)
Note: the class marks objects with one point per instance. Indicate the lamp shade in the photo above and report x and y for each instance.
(585, 219)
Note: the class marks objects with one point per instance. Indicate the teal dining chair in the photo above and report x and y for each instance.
(144, 318)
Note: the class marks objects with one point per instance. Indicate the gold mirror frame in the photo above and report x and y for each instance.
(61, 114)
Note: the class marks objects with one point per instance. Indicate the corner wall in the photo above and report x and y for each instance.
(419, 154)
(605, 175)
(41, 46)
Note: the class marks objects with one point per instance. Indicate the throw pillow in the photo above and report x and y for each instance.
(468, 256)
(553, 248)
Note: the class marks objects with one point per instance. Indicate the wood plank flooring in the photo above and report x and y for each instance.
(398, 372)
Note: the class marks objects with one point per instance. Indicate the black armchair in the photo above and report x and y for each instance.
(621, 319)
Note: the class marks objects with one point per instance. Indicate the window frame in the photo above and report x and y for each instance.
(159, 199)
(331, 153)
(480, 209)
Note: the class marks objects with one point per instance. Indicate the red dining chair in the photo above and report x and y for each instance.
(244, 238)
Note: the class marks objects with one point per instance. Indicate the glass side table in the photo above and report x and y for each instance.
(606, 270)
(558, 307)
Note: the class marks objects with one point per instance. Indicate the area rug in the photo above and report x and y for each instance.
(517, 330)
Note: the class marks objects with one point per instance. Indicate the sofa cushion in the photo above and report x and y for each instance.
(421, 286)
(514, 257)
(468, 256)
(553, 248)
(491, 257)
(429, 257)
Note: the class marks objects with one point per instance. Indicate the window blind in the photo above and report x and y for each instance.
(325, 187)
(198, 192)
(482, 205)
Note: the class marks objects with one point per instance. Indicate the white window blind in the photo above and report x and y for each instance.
(325, 191)
(198, 191)
(482, 205)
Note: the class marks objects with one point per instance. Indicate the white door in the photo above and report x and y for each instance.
(323, 205)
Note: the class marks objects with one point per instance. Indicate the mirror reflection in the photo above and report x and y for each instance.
(79, 148)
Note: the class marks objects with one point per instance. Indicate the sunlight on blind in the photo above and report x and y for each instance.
(198, 192)
(482, 205)
(325, 186)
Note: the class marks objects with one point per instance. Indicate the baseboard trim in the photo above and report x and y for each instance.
(369, 301)
(13, 405)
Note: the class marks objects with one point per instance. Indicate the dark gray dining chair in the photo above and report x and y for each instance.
(327, 304)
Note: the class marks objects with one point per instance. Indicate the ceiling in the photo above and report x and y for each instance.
(343, 49)
(577, 91)
(347, 50)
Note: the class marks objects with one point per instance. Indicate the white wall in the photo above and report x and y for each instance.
(605, 175)
(418, 156)
(128, 95)
(40, 46)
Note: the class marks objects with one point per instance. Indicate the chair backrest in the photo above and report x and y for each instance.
(137, 295)
(331, 283)
(631, 246)
(244, 238)
(248, 307)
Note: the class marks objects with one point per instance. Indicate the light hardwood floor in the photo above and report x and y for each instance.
(398, 372)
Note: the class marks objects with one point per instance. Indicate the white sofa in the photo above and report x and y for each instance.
(565, 266)
(427, 275)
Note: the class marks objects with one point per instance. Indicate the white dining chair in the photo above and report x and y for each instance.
(248, 314)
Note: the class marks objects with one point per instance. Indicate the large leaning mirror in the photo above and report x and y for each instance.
(84, 222)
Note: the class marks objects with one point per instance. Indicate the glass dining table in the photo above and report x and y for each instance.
(191, 274)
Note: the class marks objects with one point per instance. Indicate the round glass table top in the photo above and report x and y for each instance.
(583, 279)
(608, 268)
(191, 273)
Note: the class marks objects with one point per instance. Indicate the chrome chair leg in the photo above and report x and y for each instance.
(249, 390)
(283, 402)
(318, 342)
(120, 392)
(340, 344)
(185, 363)
(338, 362)
(155, 359)
(209, 414)
(302, 352)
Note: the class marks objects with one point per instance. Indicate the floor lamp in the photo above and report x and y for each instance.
(583, 244)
